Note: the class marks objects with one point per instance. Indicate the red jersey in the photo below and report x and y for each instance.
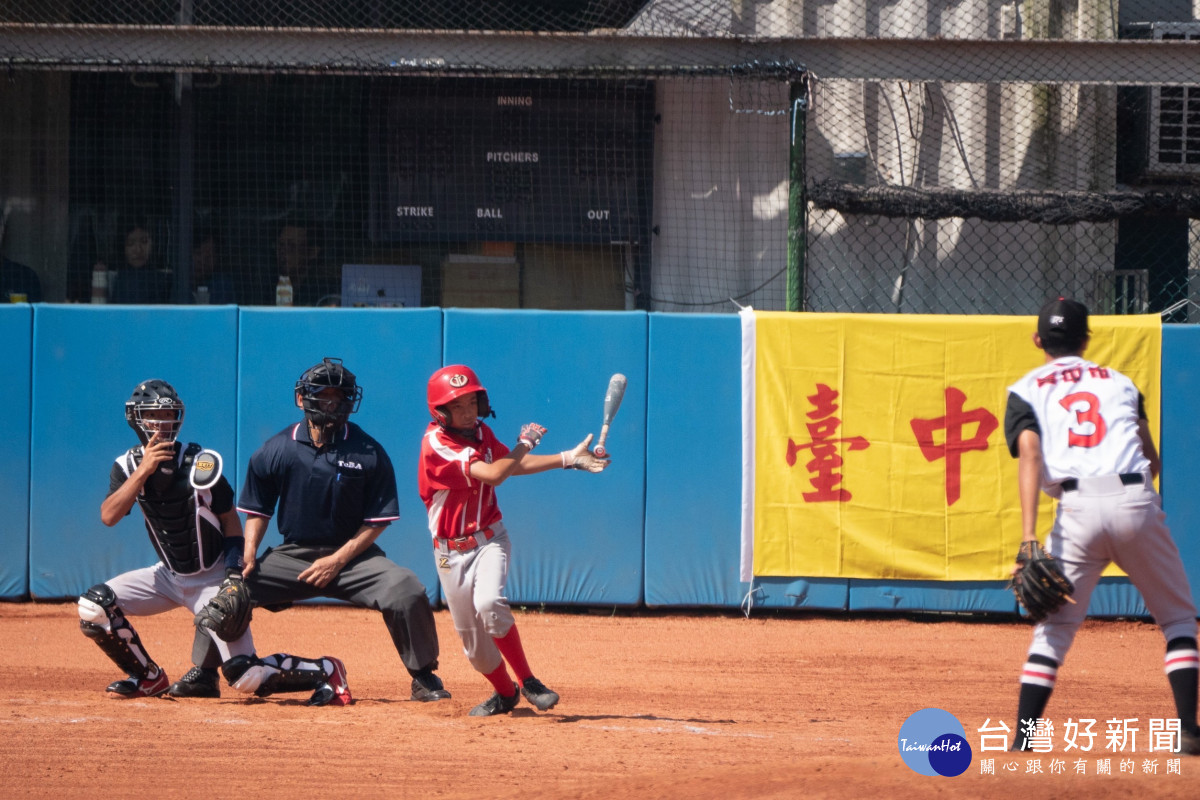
(457, 504)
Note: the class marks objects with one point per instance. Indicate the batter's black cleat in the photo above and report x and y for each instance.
(538, 694)
(497, 704)
(427, 687)
(139, 687)
(198, 682)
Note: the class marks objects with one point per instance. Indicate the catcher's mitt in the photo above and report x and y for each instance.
(228, 613)
(1039, 583)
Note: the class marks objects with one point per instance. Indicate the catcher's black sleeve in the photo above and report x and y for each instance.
(116, 478)
(1018, 417)
(222, 496)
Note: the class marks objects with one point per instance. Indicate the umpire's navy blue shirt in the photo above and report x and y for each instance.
(325, 494)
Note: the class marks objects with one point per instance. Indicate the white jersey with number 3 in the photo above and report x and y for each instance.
(1088, 417)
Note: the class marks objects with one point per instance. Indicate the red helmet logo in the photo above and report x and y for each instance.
(452, 382)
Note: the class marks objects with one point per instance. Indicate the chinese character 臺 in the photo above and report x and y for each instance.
(823, 445)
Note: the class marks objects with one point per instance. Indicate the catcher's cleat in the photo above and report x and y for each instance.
(198, 682)
(427, 688)
(133, 687)
(335, 691)
(537, 693)
(497, 704)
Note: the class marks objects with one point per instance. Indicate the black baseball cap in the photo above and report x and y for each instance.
(1063, 322)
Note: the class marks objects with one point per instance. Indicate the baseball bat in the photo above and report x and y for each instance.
(612, 402)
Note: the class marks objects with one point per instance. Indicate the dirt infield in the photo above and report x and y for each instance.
(654, 706)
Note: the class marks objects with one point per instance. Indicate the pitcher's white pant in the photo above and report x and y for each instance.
(1096, 525)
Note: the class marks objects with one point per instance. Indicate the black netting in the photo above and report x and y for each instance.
(668, 155)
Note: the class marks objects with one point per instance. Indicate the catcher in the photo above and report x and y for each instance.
(188, 509)
(1080, 434)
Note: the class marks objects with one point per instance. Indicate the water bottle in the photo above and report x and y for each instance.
(201, 295)
(99, 284)
(283, 291)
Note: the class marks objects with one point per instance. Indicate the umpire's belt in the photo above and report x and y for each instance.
(463, 543)
(1127, 478)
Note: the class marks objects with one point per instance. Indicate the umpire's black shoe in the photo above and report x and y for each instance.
(427, 687)
(497, 704)
(198, 682)
(537, 693)
(1189, 743)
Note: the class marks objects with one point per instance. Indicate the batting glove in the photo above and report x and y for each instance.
(531, 434)
(583, 458)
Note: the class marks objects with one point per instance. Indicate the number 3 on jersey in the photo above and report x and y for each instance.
(1087, 414)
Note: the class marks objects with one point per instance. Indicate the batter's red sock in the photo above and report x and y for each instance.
(514, 653)
(500, 680)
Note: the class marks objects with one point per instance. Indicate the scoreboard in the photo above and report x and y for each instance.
(524, 160)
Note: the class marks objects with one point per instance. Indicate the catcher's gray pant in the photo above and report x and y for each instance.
(153, 590)
(473, 583)
(370, 581)
(1098, 524)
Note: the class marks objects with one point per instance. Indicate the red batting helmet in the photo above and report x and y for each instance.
(452, 382)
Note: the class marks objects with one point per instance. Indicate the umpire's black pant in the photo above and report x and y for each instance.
(371, 580)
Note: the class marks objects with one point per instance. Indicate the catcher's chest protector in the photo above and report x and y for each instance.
(184, 531)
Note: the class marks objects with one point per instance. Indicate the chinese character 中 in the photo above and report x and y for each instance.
(955, 443)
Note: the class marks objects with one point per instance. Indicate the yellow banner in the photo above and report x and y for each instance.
(877, 445)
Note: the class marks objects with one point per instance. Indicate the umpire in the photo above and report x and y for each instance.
(336, 491)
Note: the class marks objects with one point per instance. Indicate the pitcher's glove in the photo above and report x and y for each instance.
(228, 613)
(1039, 583)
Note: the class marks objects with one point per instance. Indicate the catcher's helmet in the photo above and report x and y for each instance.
(329, 373)
(450, 383)
(154, 395)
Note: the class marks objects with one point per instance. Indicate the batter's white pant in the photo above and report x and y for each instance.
(474, 585)
(153, 590)
(1123, 524)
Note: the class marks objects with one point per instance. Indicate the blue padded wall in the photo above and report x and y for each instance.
(978, 596)
(87, 360)
(1180, 442)
(694, 473)
(391, 352)
(16, 349)
(577, 537)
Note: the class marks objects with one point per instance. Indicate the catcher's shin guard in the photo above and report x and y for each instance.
(101, 620)
(276, 673)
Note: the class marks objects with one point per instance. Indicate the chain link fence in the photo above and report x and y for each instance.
(921, 157)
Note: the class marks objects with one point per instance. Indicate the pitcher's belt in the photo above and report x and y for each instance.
(1127, 478)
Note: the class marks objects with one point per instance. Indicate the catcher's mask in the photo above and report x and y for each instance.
(320, 412)
(450, 383)
(154, 395)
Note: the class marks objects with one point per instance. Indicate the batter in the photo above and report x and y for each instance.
(462, 463)
(1080, 433)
